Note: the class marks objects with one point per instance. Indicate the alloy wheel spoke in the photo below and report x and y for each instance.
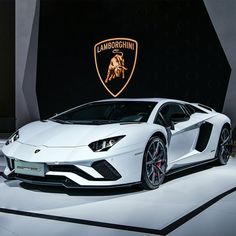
(149, 153)
(222, 151)
(153, 148)
(157, 147)
(151, 173)
(149, 162)
(225, 141)
(225, 135)
(222, 136)
(159, 155)
(153, 177)
(159, 169)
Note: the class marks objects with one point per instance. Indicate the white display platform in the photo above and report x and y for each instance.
(171, 209)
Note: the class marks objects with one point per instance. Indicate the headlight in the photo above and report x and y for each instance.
(105, 144)
(13, 138)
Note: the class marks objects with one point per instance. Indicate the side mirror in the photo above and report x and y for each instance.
(170, 124)
(176, 118)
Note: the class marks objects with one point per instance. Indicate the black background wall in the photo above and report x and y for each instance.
(7, 65)
(179, 53)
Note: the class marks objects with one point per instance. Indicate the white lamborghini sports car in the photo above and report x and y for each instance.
(117, 142)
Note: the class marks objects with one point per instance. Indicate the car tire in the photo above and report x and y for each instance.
(154, 164)
(224, 147)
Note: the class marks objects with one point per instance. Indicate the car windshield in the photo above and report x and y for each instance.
(107, 112)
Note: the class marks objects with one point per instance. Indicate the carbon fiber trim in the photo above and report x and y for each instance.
(48, 180)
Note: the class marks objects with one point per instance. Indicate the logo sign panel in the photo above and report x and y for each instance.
(115, 61)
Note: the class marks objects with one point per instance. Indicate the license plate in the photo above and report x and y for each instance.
(29, 168)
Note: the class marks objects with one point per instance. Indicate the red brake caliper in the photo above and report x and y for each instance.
(158, 164)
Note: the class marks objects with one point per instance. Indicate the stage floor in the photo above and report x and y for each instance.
(200, 201)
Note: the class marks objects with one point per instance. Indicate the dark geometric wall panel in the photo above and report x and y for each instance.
(7, 66)
(27, 20)
(179, 54)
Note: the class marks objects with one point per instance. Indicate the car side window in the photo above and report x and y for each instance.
(167, 111)
(159, 120)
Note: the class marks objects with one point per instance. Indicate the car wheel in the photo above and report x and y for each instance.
(154, 163)
(224, 146)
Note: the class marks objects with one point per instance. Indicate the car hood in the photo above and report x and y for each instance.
(52, 134)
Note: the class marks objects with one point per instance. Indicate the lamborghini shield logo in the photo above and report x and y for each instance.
(115, 61)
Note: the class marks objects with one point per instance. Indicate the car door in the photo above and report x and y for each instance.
(183, 134)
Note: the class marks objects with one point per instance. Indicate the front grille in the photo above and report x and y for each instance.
(106, 170)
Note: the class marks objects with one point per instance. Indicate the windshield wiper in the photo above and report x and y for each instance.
(104, 121)
(94, 122)
(131, 122)
(60, 121)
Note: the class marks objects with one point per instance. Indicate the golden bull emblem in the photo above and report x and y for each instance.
(117, 67)
(115, 61)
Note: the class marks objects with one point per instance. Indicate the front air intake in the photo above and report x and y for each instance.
(204, 136)
(105, 169)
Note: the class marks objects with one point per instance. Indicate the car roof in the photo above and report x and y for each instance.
(158, 100)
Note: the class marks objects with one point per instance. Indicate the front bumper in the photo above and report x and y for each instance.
(107, 172)
(113, 171)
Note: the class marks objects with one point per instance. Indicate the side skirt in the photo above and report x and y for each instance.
(174, 170)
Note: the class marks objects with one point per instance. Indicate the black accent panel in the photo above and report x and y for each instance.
(10, 163)
(204, 136)
(7, 66)
(48, 180)
(106, 170)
